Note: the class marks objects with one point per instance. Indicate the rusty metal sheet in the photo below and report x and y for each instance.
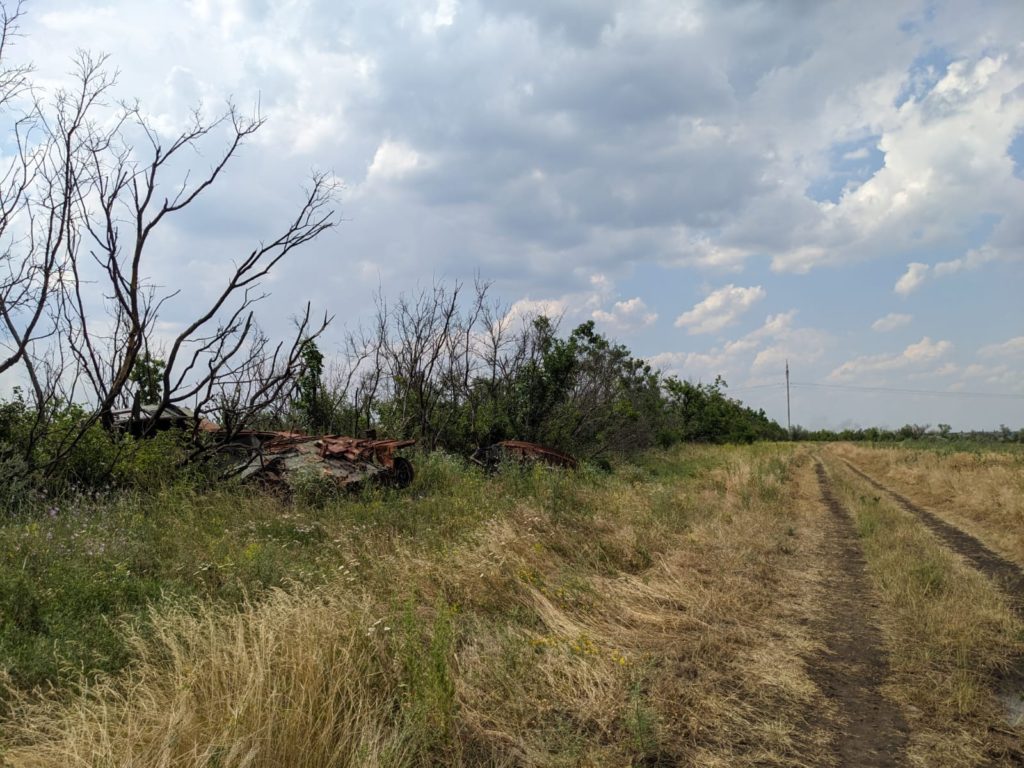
(361, 449)
(521, 449)
(272, 457)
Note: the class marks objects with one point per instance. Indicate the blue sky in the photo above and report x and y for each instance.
(721, 186)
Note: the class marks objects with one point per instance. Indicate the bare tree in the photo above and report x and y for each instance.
(35, 213)
(81, 206)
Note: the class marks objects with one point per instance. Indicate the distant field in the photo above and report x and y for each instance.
(706, 606)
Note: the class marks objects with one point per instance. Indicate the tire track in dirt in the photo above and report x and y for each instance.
(1007, 575)
(871, 732)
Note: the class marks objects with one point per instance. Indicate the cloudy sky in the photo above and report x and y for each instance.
(720, 185)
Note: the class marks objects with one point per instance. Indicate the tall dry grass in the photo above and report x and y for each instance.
(297, 680)
(981, 492)
(656, 619)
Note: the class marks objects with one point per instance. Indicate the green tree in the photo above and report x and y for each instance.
(148, 375)
(312, 402)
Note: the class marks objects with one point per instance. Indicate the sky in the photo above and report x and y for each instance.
(722, 186)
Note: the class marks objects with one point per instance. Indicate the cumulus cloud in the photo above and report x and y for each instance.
(568, 152)
(576, 306)
(912, 279)
(1009, 348)
(891, 322)
(721, 308)
(393, 160)
(761, 352)
(974, 258)
(626, 316)
(923, 351)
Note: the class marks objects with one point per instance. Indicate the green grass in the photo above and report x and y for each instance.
(952, 445)
(73, 571)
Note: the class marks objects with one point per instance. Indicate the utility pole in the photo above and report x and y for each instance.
(789, 425)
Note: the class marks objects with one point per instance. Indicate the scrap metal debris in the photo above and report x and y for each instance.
(274, 458)
(520, 450)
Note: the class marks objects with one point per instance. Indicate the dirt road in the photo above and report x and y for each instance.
(1007, 575)
(871, 731)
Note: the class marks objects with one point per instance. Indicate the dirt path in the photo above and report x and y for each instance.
(1006, 574)
(871, 731)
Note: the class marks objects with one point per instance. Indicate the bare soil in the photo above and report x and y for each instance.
(871, 730)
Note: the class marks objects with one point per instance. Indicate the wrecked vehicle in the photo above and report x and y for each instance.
(520, 450)
(146, 420)
(274, 458)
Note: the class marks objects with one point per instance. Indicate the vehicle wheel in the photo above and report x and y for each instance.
(402, 474)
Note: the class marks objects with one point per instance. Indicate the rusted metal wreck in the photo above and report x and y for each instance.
(275, 458)
(521, 450)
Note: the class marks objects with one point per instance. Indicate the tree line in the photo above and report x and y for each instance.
(89, 184)
(939, 434)
(451, 368)
(446, 367)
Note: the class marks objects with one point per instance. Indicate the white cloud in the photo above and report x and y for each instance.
(688, 249)
(912, 278)
(923, 351)
(763, 351)
(1009, 348)
(993, 375)
(442, 16)
(393, 160)
(976, 257)
(573, 306)
(786, 341)
(720, 309)
(891, 322)
(626, 316)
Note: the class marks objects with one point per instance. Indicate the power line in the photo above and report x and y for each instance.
(897, 390)
(775, 385)
(901, 390)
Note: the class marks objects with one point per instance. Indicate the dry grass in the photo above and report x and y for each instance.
(650, 620)
(950, 634)
(982, 493)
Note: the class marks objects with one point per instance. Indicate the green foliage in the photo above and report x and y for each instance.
(312, 403)
(588, 395)
(920, 436)
(148, 375)
(425, 652)
(313, 488)
(52, 452)
(703, 413)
